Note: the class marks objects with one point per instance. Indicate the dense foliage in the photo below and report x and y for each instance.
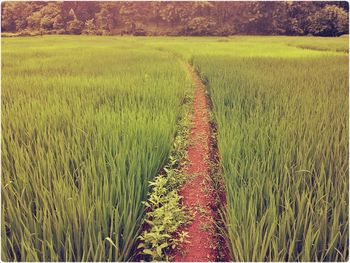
(176, 18)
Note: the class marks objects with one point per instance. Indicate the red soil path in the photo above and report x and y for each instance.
(197, 190)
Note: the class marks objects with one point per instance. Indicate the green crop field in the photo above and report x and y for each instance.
(283, 139)
(87, 122)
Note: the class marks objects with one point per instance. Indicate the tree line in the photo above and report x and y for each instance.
(176, 18)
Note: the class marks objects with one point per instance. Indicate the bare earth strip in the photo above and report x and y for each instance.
(197, 192)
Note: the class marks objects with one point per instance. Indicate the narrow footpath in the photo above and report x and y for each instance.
(197, 192)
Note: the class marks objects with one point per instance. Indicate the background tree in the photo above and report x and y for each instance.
(174, 18)
(329, 21)
(58, 23)
(8, 17)
(33, 21)
(74, 26)
(104, 20)
(298, 14)
(49, 14)
(200, 26)
(134, 15)
(89, 27)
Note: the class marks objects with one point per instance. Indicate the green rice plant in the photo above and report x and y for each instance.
(87, 122)
(283, 140)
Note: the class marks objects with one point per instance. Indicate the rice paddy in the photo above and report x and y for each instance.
(84, 131)
(283, 139)
(87, 122)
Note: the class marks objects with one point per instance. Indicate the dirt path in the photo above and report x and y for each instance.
(197, 192)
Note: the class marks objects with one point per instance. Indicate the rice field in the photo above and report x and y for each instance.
(87, 122)
(283, 139)
(85, 127)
